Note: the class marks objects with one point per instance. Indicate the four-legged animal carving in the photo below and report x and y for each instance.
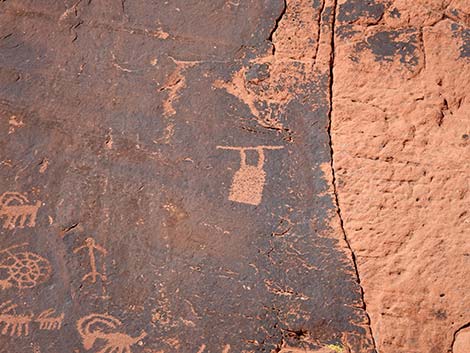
(48, 322)
(103, 327)
(14, 206)
(15, 325)
(26, 270)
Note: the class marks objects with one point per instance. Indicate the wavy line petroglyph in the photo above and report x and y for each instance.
(104, 327)
(14, 206)
(248, 181)
(91, 246)
(23, 269)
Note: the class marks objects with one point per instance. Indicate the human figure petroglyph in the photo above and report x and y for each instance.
(248, 181)
(91, 246)
(105, 327)
(23, 269)
(48, 322)
(14, 324)
(14, 206)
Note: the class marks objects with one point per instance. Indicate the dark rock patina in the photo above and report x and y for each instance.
(114, 131)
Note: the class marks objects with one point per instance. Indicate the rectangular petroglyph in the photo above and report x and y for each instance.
(248, 181)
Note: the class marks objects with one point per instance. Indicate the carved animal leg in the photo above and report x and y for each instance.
(14, 330)
(32, 219)
(15, 220)
(23, 219)
(6, 328)
(19, 329)
(10, 222)
(108, 349)
(33, 214)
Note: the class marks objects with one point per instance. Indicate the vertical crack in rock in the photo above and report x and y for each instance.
(276, 26)
(335, 190)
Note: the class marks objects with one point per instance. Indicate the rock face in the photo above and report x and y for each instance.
(166, 180)
(234, 176)
(400, 133)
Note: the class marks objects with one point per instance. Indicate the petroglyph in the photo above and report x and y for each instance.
(103, 327)
(23, 269)
(174, 84)
(14, 206)
(270, 82)
(48, 322)
(14, 123)
(14, 324)
(248, 181)
(19, 324)
(91, 246)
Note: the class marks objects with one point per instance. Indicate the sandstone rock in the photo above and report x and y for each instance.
(399, 132)
(167, 177)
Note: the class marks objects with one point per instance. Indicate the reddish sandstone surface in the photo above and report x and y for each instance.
(400, 135)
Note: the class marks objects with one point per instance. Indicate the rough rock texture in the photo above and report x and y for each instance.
(234, 176)
(400, 134)
(166, 183)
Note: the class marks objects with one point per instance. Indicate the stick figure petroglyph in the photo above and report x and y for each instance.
(103, 327)
(14, 206)
(248, 181)
(22, 269)
(91, 246)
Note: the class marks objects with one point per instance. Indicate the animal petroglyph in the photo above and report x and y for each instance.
(14, 324)
(17, 210)
(248, 181)
(48, 322)
(19, 324)
(22, 269)
(91, 246)
(105, 327)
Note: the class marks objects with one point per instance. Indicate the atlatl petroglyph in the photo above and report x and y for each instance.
(23, 269)
(248, 182)
(16, 208)
(14, 324)
(91, 246)
(103, 327)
